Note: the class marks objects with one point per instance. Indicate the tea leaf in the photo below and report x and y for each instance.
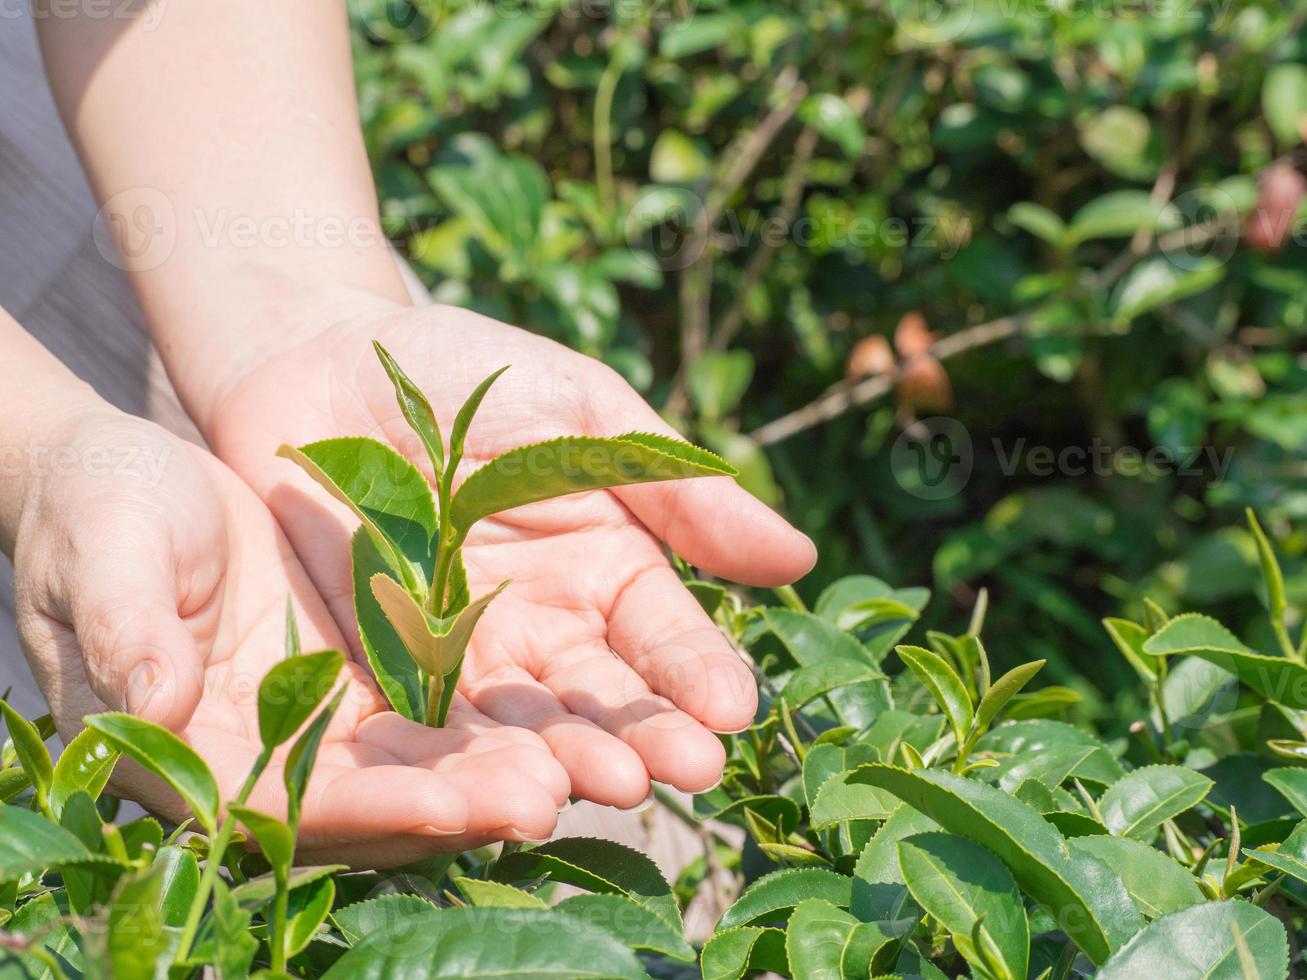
(1136, 805)
(181, 882)
(167, 756)
(944, 685)
(1100, 916)
(463, 420)
(384, 490)
(1156, 883)
(633, 924)
(1002, 691)
(31, 751)
(1203, 939)
(1291, 781)
(496, 895)
(825, 941)
(364, 918)
(970, 892)
(302, 755)
(732, 953)
(809, 683)
(436, 644)
(575, 463)
(388, 656)
(233, 946)
(599, 866)
(307, 908)
(1274, 678)
(1129, 639)
(528, 943)
(135, 942)
(417, 410)
(274, 837)
(771, 895)
(29, 843)
(291, 690)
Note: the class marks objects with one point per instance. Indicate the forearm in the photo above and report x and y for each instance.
(223, 138)
(37, 398)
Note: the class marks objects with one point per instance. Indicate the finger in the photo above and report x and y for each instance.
(594, 683)
(658, 628)
(712, 522)
(139, 655)
(601, 768)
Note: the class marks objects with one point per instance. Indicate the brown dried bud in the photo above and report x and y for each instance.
(924, 386)
(1280, 194)
(870, 355)
(912, 336)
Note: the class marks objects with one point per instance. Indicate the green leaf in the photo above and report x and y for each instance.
(181, 882)
(1129, 639)
(809, 683)
(31, 751)
(384, 490)
(291, 690)
(1284, 102)
(572, 464)
(30, 843)
(679, 159)
(972, 893)
(1136, 805)
(944, 685)
(772, 897)
(1274, 678)
(1026, 738)
(879, 891)
(1002, 691)
(810, 640)
(527, 944)
(392, 665)
(824, 941)
(302, 755)
(436, 644)
(717, 381)
(1097, 912)
(362, 919)
(633, 924)
(258, 892)
(274, 837)
(463, 420)
(1156, 883)
(1039, 221)
(835, 120)
(1123, 140)
(1203, 941)
(417, 410)
(496, 895)
(135, 943)
(1160, 281)
(1272, 577)
(165, 755)
(1119, 214)
(1291, 781)
(839, 801)
(731, 953)
(306, 909)
(596, 865)
(85, 764)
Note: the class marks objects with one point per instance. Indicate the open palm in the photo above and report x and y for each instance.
(596, 645)
(161, 589)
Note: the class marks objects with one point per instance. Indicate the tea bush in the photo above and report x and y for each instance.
(909, 811)
(737, 203)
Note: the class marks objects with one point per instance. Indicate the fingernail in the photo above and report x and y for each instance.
(434, 831)
(141, 686)
(643, 805)
(526, 837)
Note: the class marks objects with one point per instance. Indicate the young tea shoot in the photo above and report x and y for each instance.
(416, 616)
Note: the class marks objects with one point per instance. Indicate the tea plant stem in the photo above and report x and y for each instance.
(214, 862)
(603, 125)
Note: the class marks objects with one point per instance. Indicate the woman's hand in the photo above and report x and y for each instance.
(596, 645)
(151, 579)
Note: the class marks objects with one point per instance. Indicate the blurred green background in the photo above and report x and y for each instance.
(753, 208)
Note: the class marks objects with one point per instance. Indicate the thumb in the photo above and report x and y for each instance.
(139, 655)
